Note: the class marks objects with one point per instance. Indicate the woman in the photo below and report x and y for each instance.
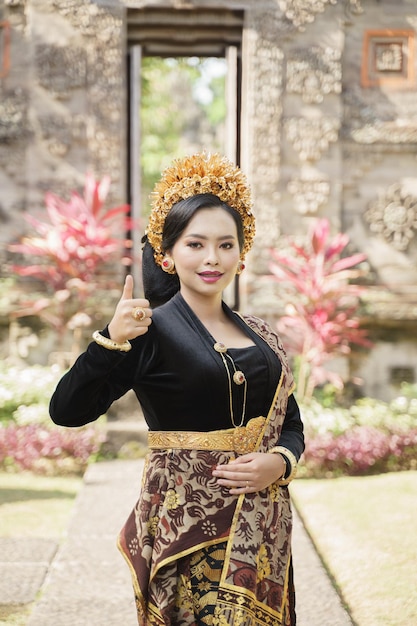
(209, 539)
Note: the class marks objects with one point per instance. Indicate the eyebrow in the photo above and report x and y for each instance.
(223, 237)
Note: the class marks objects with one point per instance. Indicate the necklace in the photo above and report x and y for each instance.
(238, 378)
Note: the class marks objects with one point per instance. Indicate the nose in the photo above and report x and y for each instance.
(211, 256)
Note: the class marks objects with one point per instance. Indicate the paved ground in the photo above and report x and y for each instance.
(85, 581)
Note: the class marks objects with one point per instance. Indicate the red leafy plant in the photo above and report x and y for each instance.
(361, 450)
(321, 318)
(48, 449)
(71, 250)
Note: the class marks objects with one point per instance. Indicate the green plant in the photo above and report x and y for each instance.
(183, 100)
(321, 315)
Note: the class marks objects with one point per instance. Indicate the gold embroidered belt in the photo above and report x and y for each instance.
(241, 440)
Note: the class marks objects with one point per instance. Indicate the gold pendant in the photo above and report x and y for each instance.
(239, 377)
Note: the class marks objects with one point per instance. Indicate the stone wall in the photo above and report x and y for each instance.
(62, 103)
(329, 128)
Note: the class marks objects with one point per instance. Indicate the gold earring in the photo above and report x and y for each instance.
(168, 265)
(240, 267)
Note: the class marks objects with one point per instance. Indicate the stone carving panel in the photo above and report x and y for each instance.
(61, 69)
(392, 132)
(101, 66)
(394, 216)
(311, 137)
(106, 109)
(388, 58)
(353, 7)
(303, 12)
(265, 106)
(56, 132)
(314, 73)
(309, 194)
(14, 123)
(375, 120)
(83, 14)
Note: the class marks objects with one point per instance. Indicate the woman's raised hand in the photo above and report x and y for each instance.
(132, 316)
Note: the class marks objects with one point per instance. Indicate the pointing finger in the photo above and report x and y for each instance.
(128, 288)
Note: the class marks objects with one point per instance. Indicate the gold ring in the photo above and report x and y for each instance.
(138, 314)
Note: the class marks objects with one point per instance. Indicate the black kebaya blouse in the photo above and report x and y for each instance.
(179, 379)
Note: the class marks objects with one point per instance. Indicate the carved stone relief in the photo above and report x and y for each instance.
(83, 14)
(394, 216)
(106, 109)
(388, 58)
(309, 194)
(376, 120)
(314, 73)
(303, 12)
(265, 113)
(99, 68)
(311, 137)
(61, 69)
(393, 132)
(14, 123)
(353, 7)
(56, 132)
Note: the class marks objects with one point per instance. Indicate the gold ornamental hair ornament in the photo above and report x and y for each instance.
(190, 176)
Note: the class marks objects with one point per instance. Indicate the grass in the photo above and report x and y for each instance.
(14, 615)
(364, 530)
(33, 506)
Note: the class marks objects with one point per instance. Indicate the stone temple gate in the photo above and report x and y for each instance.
(322, 118)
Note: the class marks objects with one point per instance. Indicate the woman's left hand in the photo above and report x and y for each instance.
(250, 472)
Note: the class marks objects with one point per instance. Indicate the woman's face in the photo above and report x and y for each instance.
(207, 253)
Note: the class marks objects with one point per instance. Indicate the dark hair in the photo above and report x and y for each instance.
(158, 286)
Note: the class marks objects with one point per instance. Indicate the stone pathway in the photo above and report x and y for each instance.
(86, 582)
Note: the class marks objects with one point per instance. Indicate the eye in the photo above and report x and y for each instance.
(194, 244)
(228, 245)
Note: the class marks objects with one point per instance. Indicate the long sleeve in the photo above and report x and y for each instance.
(97, 378)
(292, 435)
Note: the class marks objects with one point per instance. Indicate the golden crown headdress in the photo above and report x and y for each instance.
(200, 173)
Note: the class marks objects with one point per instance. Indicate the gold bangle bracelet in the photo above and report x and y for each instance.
(109, 344)
(287, 454)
